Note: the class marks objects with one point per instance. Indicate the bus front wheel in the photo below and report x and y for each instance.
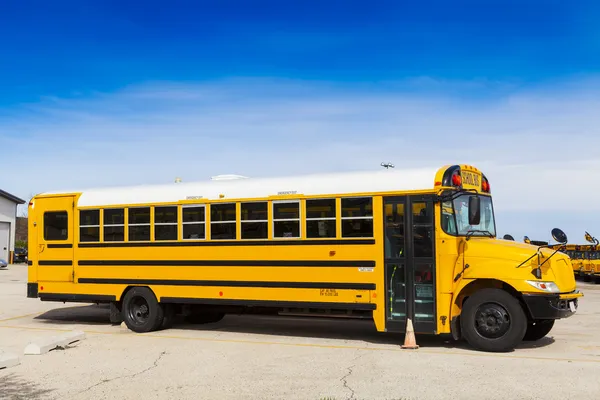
(141, 310)
(493, 320)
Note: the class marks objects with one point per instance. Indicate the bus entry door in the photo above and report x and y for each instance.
(409, 263)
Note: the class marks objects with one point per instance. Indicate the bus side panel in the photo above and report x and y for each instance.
(321, 278)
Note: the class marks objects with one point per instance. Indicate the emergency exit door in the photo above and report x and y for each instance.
(409, 263)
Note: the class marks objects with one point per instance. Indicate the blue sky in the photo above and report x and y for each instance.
(197, 88)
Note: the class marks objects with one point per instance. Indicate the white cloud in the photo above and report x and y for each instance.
(539, 147)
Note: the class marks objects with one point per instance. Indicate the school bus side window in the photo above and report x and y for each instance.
(193, 222)
(139, 224)
(165, 223)
(222, 221)
(56, 225)
(448, 220)
(320, 218)
(255, 220)
(286, 219)
(357, 217)
(114, 225)
(89, 225)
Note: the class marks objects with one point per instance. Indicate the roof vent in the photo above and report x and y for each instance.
(229, 177)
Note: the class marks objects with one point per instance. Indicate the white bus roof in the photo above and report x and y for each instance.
(236, 187)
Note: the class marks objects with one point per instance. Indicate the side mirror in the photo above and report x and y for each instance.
(591, 239)
(508, 237)
(559, 236)
(474, 210)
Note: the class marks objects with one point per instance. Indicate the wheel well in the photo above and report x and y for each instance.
(128, 288)
(479, 284)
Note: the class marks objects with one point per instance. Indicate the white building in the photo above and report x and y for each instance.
(8, 224)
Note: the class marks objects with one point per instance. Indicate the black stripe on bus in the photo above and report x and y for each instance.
(246, 284)
(229, 263)
(55, 262)
(270, 303)
(218, 243)
(83, 298)
(60, 245)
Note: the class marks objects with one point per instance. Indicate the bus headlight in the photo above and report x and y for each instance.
(549, 287)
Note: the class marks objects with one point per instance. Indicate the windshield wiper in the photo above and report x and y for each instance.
(472, 232)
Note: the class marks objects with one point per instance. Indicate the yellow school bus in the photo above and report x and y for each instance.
(594, 264)
(585, 258)
(577, 255)
(395, 246)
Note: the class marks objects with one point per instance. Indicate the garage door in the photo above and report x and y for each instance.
(4, 236)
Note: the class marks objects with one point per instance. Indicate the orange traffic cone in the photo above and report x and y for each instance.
(409, 339)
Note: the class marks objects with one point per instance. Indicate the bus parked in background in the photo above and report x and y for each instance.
(584, 258)
(577, 254)
(389, 245)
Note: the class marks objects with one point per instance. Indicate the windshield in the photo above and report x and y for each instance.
(455, 217)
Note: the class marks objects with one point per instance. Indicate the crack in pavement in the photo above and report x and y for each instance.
(345, 382)
(344, 378)
(103, 381)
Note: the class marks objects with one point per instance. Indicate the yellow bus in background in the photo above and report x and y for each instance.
(585, 258)
(577, 254)
(390, 245)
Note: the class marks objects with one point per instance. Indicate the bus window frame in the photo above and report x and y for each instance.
(183, 223)
(299, 219)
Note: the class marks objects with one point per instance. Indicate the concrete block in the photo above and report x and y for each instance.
(8, 360)
(44, 345)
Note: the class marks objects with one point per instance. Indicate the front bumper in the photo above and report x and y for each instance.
(552, 306)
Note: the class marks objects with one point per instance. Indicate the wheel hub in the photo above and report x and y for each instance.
(139, 310)
(492, 320)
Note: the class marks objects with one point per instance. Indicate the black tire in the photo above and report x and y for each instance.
(538, 329)
(493, 320)
(205, 317)
(141, 310)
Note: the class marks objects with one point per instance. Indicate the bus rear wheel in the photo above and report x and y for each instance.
(538, 329)
(493, 320)
(141, 310)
